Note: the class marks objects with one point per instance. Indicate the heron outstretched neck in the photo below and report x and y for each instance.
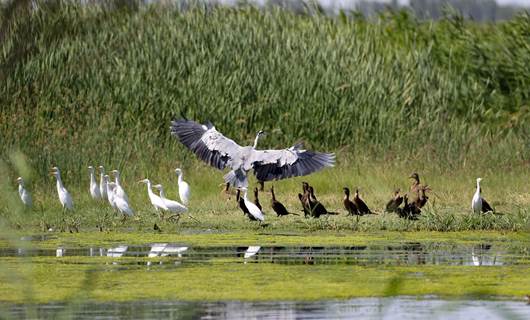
(221, 152)
(259, 134)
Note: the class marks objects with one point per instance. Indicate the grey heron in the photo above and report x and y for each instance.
(221, 152)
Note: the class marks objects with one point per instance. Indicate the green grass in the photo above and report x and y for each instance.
(447, 209)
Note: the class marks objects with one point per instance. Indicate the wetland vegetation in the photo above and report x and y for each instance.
(391, 95)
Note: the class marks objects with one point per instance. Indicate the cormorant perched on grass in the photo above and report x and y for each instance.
(360, 204)
(348, 204)
(395, 202)
(277, 206)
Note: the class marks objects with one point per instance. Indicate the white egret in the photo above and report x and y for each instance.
(121, 204)
(252, 208)
(156, 201)
(64, 195)
(171, 205)
(109, 190)
(184, 187)
(119, 189)
(221, 152)
(479, 204)
(24, 194)
(94, 189)
(102, 184)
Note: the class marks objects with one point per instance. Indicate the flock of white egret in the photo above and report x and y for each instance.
(221, 152)
(113, 192)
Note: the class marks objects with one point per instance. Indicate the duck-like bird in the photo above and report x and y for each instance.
(395, 202)
(348, 204)
(361, 205)
(221, 152)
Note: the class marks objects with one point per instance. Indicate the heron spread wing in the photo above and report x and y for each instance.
(206, 142)
(292, 162)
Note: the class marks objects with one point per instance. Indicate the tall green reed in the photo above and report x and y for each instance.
(100, 83)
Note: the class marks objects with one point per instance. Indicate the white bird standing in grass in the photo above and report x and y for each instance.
(479, 204)
(252, 208)
(64, 195)
(171, 205)
(94, 189)
(156, 201)
(24, 194)
(119, 190)
(109, 188)
(184, 187)
(121, 204)
(102, 184)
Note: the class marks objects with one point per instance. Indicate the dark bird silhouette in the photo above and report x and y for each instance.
(409, 210)
(157, 228)
(360, 204)
(304, 199)
(318, 209)
(256, 199)
(421, 201)
(395, 202)
(486, 206)
(416, 186)
(305, 206)
(348, 204)
(312, 197)
(277, 206)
